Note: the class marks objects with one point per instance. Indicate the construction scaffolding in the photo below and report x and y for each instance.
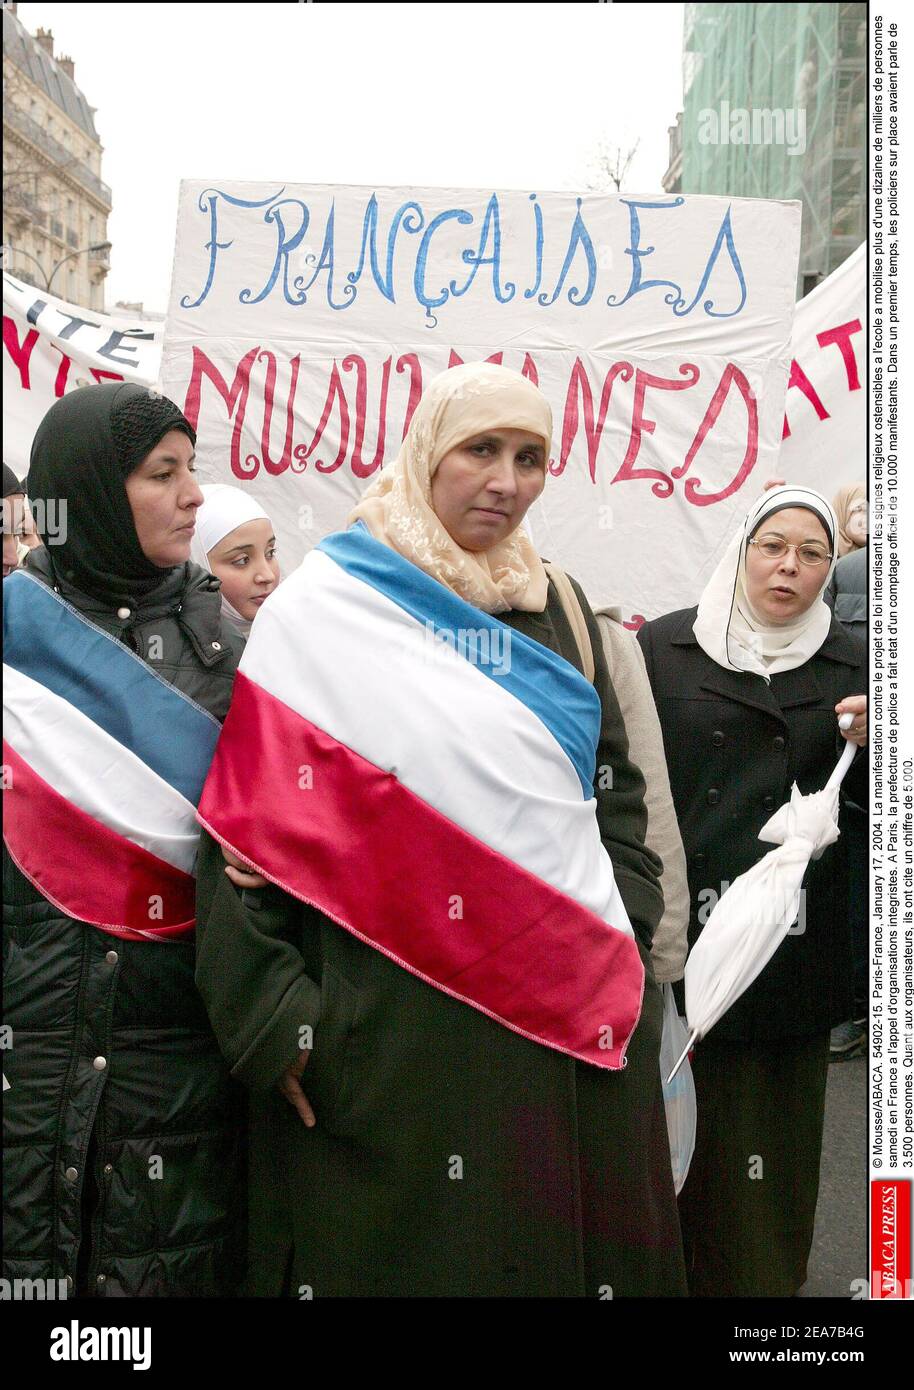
(775, 107)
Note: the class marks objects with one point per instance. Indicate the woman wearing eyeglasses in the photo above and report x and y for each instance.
(749, 687)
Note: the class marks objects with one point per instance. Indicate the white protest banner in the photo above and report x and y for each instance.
(304, 321)
(825, 424)
(51, 347)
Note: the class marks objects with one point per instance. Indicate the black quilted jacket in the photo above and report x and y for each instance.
(122, 1129)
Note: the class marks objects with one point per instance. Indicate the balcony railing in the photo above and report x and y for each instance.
(56, 152)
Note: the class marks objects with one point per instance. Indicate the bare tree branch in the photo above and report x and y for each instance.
(608, 165)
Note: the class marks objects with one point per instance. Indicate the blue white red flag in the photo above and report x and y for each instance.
(424, 775)
(104, 763)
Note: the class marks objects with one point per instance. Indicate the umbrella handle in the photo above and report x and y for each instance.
(837, 777)
(685, 1052)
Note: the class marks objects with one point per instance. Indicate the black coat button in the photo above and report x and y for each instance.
(698, 861)
(779, 742)
(717, 738)
(768, 803)
(713, 796)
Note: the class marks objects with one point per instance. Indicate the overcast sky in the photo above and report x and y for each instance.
(477, 95)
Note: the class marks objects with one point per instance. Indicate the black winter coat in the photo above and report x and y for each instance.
(734, 746)
(122, 1130)
(451, 1156)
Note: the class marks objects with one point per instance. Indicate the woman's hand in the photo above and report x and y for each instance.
(240, 873)
(855, 705)
(291, 1088)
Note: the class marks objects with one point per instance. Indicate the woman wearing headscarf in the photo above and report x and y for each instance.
(121, 1172)
(749, 687)
(234, 540)
(442, 1000)
(850, 512)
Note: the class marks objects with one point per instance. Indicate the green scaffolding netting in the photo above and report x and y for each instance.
(774, 61)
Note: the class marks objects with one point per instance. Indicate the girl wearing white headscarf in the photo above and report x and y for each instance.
(748, 688)
(448, 1135)
(234, 540)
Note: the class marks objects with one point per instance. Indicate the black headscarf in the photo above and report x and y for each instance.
(83, 450)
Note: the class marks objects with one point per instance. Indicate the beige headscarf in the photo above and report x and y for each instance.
(397, 509)
(847, 501)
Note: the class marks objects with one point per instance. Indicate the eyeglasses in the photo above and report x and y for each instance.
(773, 548)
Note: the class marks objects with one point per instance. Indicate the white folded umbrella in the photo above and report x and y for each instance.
(752, 918)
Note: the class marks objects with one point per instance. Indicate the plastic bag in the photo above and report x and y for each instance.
(679, 1095)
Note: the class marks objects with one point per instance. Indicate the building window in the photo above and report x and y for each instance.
(847, 218)
(852, 32)
(849, 110)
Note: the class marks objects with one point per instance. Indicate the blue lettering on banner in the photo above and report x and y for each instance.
(724, 235)
(214, 244)
(324, 263)
(370, 235)
(476, 258)
(579, 236)
(538, 219)
(284, 248)
(677, 299)
(410, 219)
(453, 214)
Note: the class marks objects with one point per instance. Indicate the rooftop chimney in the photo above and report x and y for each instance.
(46, 38)
(67, 65)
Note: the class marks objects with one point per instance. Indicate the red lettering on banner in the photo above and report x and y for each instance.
(234, 396)
(732, 373)
(641, 425)
(529, 370)
(269, 394)
(346, 422)
(593, 430)
(360, 469)
(19, 352)
(411, 360)
(101, 376)
(302, 453)
(455, 360)
(63, 372)
(841, 337)
(801, 382)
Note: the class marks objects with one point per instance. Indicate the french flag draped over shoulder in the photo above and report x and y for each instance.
(104, 763)
(423, 775)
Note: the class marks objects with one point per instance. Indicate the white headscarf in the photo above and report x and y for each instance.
(222, 511)
(397, 509)
(728, 628)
